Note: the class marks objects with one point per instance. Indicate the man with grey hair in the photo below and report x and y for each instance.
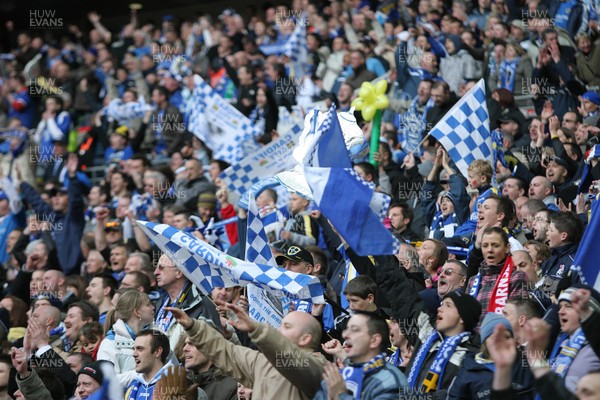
(195, 183)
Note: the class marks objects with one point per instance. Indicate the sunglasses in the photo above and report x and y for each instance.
(449, 272)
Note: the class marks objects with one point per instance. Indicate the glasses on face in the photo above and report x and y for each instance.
(449, 272)
(540, 219)
(161, 267)
(114, 224)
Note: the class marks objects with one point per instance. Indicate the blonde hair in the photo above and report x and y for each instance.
(482, 167)
(129, 300)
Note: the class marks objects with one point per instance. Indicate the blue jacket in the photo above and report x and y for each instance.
(474, 380)
(382, 385)
(66, 229)
(572, 14)
(408, 77)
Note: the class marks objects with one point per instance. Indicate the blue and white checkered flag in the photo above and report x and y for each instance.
(225, 130)
(257, 247)
(207, 267)
(119, 111)
(465, 130)
(263, 163)
(262, 304)
(296, 50)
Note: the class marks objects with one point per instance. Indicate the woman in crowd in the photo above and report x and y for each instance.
(133, 312)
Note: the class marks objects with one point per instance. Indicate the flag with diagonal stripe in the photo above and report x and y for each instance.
(207, 267)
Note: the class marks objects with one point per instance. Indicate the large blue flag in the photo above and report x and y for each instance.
(330, 148)
(344, 198)
(465, 130)
(588, 253)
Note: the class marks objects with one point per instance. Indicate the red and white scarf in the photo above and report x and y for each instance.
(502, 287)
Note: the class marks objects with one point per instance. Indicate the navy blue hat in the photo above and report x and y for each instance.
(468, 308)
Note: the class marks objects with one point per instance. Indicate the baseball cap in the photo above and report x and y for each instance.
(295, 253)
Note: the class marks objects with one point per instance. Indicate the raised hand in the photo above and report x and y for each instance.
(580, 300)
(19, 362)
(335, 382)
(244, 323)
(181, 317)
(502, 348)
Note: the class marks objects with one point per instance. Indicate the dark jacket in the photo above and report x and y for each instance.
(195, 305)
(557, 267)
(436, 113)
(360, 75)
(549, 387)
(407, 308)
(591, 329)
(474, 381)
(216, 384)
(66, 228)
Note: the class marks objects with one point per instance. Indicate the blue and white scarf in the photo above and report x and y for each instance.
(165, 319)
(433, 381)
(443, 226)
(396, 359)
(507, 73)
(565, 350)
(355, 375)
(411, 126)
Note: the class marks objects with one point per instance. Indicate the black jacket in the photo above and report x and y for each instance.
(216, 384)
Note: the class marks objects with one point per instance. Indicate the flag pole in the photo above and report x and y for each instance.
(422, 141)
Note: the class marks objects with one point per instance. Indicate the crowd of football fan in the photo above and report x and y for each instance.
(479, 303)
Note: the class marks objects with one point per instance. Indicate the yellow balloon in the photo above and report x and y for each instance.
(367, 92)
(381, 87)
(368, 112)
(358, 103)
(381, 102)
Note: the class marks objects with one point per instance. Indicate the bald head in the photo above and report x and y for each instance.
(47, 315)
(301, 328)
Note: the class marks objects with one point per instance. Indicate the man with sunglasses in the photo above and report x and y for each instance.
(451, 277)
